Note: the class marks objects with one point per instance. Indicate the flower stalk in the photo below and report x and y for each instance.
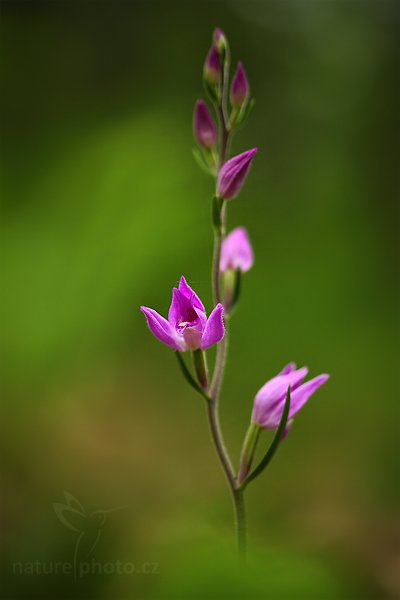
(187, 326)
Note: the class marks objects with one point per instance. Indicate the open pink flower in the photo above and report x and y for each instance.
(187, 327)
(270, 399)
(236, 251)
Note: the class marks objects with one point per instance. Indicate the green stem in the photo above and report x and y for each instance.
(236, 492)
(215, 429)
(215, 274)
(240, 523)
(220, 361)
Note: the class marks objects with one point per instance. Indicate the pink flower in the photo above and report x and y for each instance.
(270, 399)
(233, 173)
(205, 130)
(187, 327)
(236, 251)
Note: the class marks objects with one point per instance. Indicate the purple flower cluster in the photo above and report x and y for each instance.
(187, 327)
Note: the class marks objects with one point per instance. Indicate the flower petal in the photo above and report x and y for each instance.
(181, 304)
(214, 330)
(303, 393)
(288, 368)
(190, 294)
(162, 329)
(298, 398)
(176, 308)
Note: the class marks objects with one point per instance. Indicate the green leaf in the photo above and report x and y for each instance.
(188, 376)
(202, 162)
(212, 90)
(275, 443)
(245, 113)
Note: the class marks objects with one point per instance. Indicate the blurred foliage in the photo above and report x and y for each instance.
(104, 209)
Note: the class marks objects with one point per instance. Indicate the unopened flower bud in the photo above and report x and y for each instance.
(240, 89)
(233, 173)
(220, 41)
(204, 127)
(212, 67)
(236, 251)
(270, 399)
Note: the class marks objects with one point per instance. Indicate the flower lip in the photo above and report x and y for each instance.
(189, 318)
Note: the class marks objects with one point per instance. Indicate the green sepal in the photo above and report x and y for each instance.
(212, 90)
(189, 377)
(202, 161)
(274, 446)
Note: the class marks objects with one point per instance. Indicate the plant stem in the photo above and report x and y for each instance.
(219, 444)
(240, 523)
(224, 136)
(220, 361)
(236, 493)
(215, 274)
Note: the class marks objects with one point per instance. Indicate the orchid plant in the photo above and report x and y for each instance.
(187, 328)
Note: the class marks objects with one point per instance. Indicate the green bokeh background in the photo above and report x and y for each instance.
(104, 209)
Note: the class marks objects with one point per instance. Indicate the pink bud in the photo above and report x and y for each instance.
(212, 66)
(240, 89)
(236, 251)
(205, 130)
(270, 399)
(220, 41)
(233, 173)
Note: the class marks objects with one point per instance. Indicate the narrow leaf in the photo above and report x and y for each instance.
(275, 443)
(201, 161)
(245, 113)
